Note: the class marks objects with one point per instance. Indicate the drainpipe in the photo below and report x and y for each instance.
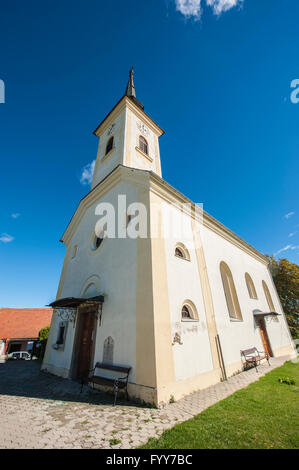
(219, 349)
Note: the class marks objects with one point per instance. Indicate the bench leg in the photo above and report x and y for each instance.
(115, 392)
(255, 365)
(115, 396)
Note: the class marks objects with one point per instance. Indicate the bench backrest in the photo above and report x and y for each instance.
(246, 352)
(124, 369)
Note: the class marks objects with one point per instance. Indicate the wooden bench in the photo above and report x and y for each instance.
(253, 356)
(114, 382)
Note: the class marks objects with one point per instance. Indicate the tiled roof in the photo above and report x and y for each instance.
(23, 322)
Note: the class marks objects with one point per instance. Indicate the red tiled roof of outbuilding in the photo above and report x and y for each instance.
(23, 322)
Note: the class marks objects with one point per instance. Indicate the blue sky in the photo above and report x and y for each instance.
(214, 74)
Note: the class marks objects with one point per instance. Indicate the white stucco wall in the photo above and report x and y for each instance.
(193, 357)
(240, 335)
(104, 166)
(136, 159)
(114, 266)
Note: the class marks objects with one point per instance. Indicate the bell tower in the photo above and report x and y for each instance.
(127, 136)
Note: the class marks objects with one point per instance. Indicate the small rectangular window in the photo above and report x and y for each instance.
(61, 335)
(60, 339)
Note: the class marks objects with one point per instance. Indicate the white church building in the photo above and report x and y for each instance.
(177, 306)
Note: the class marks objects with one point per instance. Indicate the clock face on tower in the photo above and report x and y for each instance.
(143, 129)
(111, 129)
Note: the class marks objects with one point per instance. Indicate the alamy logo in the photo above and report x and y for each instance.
(295, 93)
(2, 92)
(133, 221)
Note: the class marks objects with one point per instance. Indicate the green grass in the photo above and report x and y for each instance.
(265, 415)
(114, 442)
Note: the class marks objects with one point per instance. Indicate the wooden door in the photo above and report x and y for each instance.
(86, 343)
(264, 336)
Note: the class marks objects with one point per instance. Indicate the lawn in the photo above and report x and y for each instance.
(265, 415)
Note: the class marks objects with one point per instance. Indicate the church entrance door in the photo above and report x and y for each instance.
(86, 341)
(264, 336)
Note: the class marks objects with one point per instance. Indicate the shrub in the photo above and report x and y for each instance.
(286, 380)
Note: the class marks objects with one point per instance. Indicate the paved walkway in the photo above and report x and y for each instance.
(38, 410)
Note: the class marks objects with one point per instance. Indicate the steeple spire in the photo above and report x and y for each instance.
(130, 90)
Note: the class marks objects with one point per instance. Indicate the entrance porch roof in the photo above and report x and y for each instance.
(73, 302)
(264, 314)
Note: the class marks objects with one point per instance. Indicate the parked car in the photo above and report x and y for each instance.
(24, 355)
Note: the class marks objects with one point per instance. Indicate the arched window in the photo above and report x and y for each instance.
(189, 311)
(109, 145)
(179, 253)
(230, 292)
(97, 240)
(74, 251)
(268, 297)
(250, 286)
(108, 350)
(182, 252)
(143, 145)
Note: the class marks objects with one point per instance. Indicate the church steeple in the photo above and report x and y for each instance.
(128, 137)
(130, 90)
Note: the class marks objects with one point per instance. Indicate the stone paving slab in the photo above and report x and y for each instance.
(41, 411)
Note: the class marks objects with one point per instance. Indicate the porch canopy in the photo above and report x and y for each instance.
(73, 302)
(257, 313)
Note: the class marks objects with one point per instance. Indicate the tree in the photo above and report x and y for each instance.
(42, 339)
(286, 279)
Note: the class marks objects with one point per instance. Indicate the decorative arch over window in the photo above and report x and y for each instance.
(91, 287)
(189, 311)
(230, 292)
(90, 291)
(109, 145)
(108, 350)
(268, 297)
(250, 286)
(143, 145)
(181, 251)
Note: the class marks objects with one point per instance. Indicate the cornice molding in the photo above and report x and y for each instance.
(123, 103)
(160, 187)
(170, 194)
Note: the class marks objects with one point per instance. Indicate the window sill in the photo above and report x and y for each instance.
(188, 320)
(144, 154)
(184, 259)
(236, 320)
(58, 347)
(108, 154)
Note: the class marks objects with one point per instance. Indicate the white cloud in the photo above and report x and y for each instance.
(189, 7)
(5, 238)
(220, 6)
(87, 173)
(292, 234)
(193, 8)
(288, 215)
(287, 248)
(16, 215)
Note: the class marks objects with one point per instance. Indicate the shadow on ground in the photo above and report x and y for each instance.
(25, 379)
